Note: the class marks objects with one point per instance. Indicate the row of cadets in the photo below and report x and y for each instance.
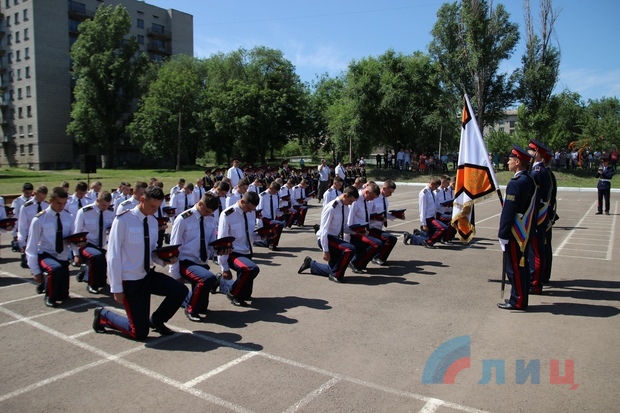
(270, 215)
(538, 251)
(195, 229)
(96, 219)
(27, 190)
(380, 209)
(134, 200)
(300, 200)
(515, 228)
(130, 258)
(334, 191)
(183, 200)
(239, 221)
(337, 252)
(428, 215)
(444, 196)
(366, 246)
(47, 249)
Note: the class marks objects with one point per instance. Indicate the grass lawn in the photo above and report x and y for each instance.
(11, 179)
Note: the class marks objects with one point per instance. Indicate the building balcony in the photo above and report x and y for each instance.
(80, 13)
(158, 48)
(159, 34)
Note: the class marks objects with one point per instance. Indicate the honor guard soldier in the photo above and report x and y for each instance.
(538, 251)
(269, 206)
(134, 200)
(28, 211)
(207, 180)
(95, 219)
(47, 249)
(239, 221)
(334, 192)
(515, 226)
(194, 230)
(604, 173)
(428, 214)
(366, 246)
(336, 251)
(553, 217)
(78, 199)
(17, 205)
(131, 245)
(380, 210)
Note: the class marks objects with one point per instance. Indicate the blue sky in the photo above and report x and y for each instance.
(322, 36)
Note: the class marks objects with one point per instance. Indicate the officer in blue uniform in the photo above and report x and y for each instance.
(515, 226)
(605, 173)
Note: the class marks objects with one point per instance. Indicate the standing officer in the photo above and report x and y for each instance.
(95, 218)
(234, 173)
(515, 226)
(194, 229)
(380, 207)
(336, 251)
(47, 249)
(132, 275)
(324, 173)
(538, 251)
(239, 221)
(605, 173)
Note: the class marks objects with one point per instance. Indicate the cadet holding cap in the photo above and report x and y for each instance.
(133, 279)
(517, 215)
(604, 173)
(195, 229)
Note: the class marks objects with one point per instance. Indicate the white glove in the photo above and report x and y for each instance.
(503, 243)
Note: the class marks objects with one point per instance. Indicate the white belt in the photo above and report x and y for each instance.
(605, 180)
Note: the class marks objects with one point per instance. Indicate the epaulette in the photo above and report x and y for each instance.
(425, 190)
(87, 208)
(335, 204)
(40, 213)
(29, 202)
(187, 213)
(263, 193)
(229, 211)
(123, 213)
(125, 202)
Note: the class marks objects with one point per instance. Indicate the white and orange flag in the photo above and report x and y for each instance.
(475, 177)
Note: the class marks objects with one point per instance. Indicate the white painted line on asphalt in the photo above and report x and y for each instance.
(610, 246)
(559, 249)
(218, 370)
(12, 285)
(431, 406)
(312, 395)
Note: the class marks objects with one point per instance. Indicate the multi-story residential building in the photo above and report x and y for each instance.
(35, 80)
(507, 124)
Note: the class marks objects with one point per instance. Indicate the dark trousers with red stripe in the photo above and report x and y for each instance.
(97, 266)
(450, 231)
(247, 271)
(537, 257)
(340, 254)
(291, 217)
(302, 211)
(435, 231)
(519, 276)
(57, 280)
(366, 247)
(138, 304)
(202, 281)
(278, 226)
(546, 274)
(389, 241)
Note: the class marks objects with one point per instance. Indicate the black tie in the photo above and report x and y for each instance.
(385, 213)
(79, 203)
(247, 232)
(100, 229)
(185, 202)
(147, 246)
(238, 173)
(200, 191)
(366, 209)
(38, 207)
(203, 245)
(271, 199)
(341, 235)
(59, 246)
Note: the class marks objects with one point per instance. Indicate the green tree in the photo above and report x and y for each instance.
(168, 117)
(470, 40)
(107, 70)
(602, 123)
(568, 121)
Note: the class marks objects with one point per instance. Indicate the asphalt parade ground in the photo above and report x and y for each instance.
(309, 345)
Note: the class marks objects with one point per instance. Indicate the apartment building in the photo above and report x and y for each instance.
(507, 124)
(35, 80)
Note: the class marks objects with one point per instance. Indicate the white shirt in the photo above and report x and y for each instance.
(42, 237)
(299, 193)
(333, 220)
(26, 214)
(87, 219)
(444, 195)
(232, 223)
(126, 248)
(130, 203)
(235, 175)
(359, 213)
(331, 194)
(182, 201)
(233, 198)
(323, 172)
(427, 204)
(186, 231)
(266, 203)
(73, 203)
(377, 206)
(340, 171)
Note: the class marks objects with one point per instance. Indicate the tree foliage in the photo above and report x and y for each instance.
(107, 71)
(470, 40)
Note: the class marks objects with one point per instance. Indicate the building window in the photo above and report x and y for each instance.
(8, 21)
(17, 37)
(26, 53)
(140, 39)
(21, 150)
(17, 56)
(29, 130)
(9, 39)
(19, 74)
(27, 72)
(20, 112)
(501, 129)
(26, 37)
(28, 94)
(16, 17)
(7, 4)
(140, 24)
(512, 123)
(15, 2)
(21, 131)
(30, 149)
(10, 57)
(157, 28)
(29, 111)
(11, 76)
(19, 93)
(25, 18)
(73, 25)
(11, 94)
